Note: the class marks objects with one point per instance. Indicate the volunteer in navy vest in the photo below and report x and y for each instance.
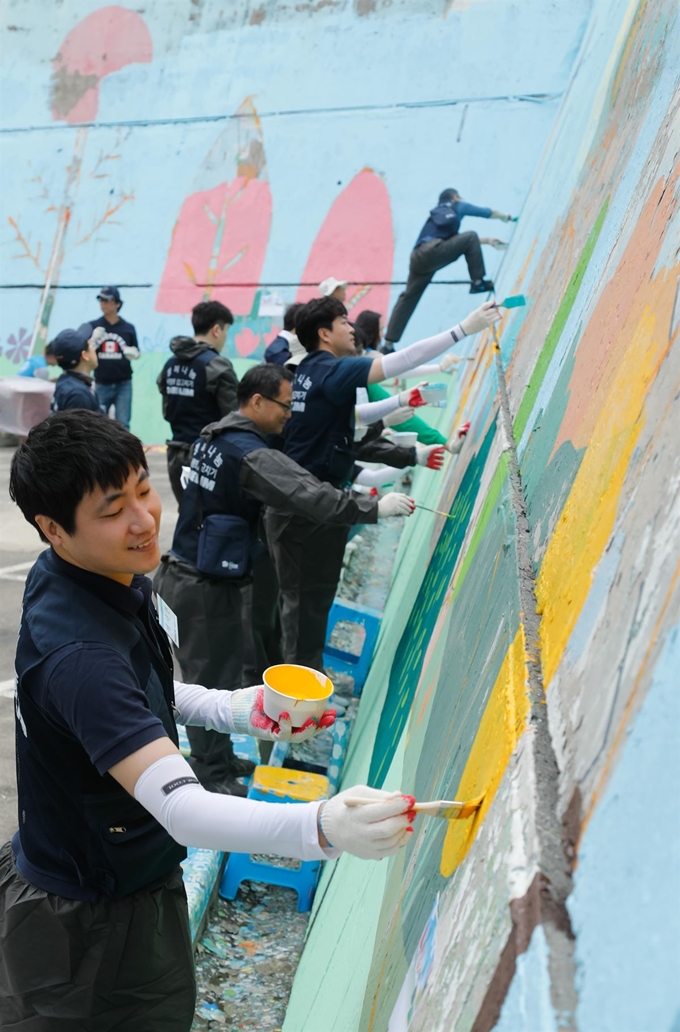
(198, 384)
(320, 437)
(94, 928)
(232, 474)
(75, 353)
(286, 344)
(116, 350)
(440, 243)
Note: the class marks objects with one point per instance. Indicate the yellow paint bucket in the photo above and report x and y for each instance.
(297, 690)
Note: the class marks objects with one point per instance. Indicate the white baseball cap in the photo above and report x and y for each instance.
(331, 284)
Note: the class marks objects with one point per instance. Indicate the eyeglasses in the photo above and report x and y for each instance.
(281, 404)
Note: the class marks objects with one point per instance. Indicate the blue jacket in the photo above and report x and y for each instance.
(74, 390)
(445, 220)
(278, 352)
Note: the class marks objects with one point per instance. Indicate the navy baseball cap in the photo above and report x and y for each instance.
(68, 346)
(109, 294)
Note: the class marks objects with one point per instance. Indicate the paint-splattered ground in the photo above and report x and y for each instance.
(247, 958)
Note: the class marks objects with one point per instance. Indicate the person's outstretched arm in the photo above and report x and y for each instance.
(399, 362)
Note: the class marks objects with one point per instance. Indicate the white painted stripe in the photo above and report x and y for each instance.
(6, 689)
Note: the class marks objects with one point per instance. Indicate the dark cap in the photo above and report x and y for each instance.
(68, 346)
(109, 294)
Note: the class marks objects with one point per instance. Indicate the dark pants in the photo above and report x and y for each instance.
(125, 965)
(179, 454)
(425, 261)
(308, 560)
(261, 623)
(209, 615)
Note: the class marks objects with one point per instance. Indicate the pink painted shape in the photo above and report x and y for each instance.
(247, 208)
(103, 42)
(246, 342)
(355, 243)
(272, 335)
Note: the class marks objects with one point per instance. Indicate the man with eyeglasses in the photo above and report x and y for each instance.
(233, 473)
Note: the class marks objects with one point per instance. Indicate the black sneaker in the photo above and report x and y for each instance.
(481, 286)
(241, 768)
(228, 786)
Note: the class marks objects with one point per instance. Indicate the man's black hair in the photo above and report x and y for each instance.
(289, 317)
(206, 313)
(316, 315)
(448, 195)
(66, 457)
(368, 325)
(262, 379)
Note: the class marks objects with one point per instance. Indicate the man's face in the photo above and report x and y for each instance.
(340, 338)
(272, 414)
(219, 334)
(90, 357)
(116, 531)
(109, 309)
(341, 293)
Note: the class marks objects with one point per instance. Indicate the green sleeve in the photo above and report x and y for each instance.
(426, 433)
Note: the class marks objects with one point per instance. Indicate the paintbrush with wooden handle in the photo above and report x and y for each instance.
(449, 809)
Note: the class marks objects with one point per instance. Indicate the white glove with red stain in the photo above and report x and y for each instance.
(430, 455)
(412, 397)
(249, 718)
(372, 831)
(400, 415)
(455, 443)
(395, 504)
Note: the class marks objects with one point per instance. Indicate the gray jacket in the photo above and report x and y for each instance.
(268, 476)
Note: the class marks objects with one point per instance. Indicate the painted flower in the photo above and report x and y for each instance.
(16, 348)
(247, 342)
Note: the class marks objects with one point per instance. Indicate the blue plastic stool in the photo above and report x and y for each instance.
(276, 785)
(348, 663)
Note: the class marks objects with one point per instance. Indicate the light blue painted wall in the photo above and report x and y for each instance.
(527, 1006)
(426, 95)
(625, 906)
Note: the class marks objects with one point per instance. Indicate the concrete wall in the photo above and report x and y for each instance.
(530, 646)
(213, 148)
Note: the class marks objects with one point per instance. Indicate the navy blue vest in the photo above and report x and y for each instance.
(70, 392)
(189, 407)
(320, 435)
(214, 485)
(81, 834)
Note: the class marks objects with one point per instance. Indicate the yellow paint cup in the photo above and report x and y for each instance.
(298, 690)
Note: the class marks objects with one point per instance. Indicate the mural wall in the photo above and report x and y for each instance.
(190, 149)
(530, 644)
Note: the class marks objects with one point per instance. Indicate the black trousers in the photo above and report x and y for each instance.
(178, 455)
(425, 261)
(308, 560)
(122, 965)
(210, 652)
(261, 623)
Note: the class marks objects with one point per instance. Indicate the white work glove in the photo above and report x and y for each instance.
(372, 831)
(249, 718)
(498, 245)
(449, 362)
(399, 416)
(97, 337)
(184, 477)
(502, 216)
(483, 317)
(129, 351)
(395, 504)
(430, 455)
(455, 443)
(412, 397)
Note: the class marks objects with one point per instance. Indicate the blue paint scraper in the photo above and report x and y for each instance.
(516, 301)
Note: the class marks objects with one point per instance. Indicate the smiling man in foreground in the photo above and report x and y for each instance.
(94, 929)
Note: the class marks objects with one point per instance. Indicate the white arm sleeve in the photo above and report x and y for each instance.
(171, 792)
(399, 362)
(203, 707)
(378, 477)
(425, 370)
(372, 411)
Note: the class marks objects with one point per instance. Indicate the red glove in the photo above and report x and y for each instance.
(412, 397)
(249, 718)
